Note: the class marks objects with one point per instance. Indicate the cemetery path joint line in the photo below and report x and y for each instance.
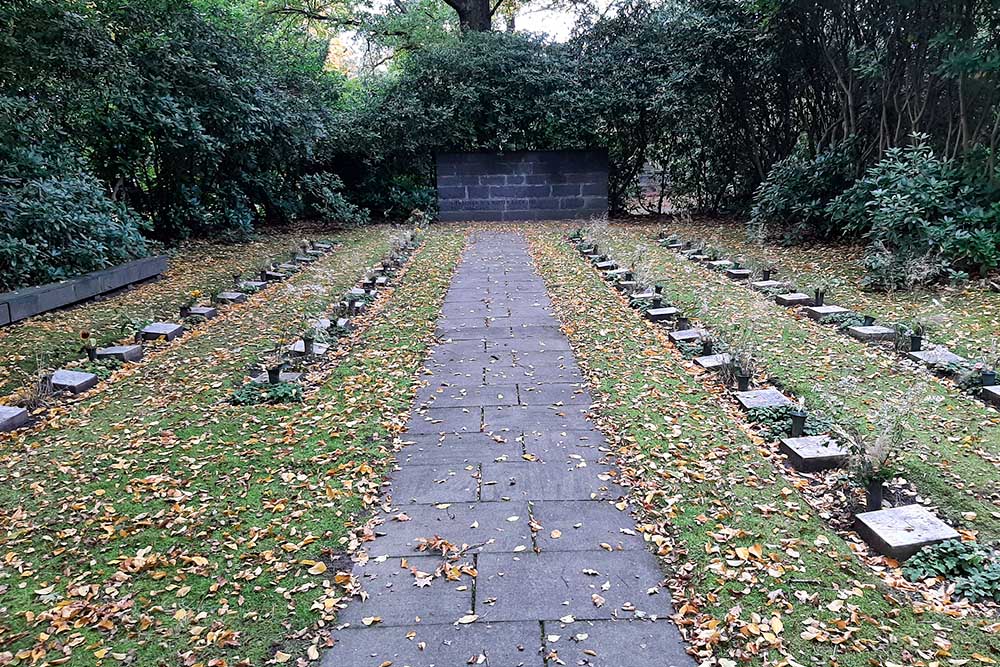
(506, 541)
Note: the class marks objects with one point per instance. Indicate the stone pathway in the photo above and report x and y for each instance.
(503, 460)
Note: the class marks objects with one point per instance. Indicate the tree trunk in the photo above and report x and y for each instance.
(473, 15)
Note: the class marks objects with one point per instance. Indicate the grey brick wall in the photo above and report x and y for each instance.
(530, 185)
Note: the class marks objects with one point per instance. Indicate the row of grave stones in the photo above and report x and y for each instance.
(936, 357)
(354, 303)
(897, 532)
(76, 382)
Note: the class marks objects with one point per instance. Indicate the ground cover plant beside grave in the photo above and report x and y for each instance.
(50, 339)
(970, 313)
(758, 574)
(188, 527)
(957, 438)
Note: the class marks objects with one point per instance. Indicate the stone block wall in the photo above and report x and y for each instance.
(529, 185)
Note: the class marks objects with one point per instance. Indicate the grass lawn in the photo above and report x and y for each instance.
(969, 316)
(51, 339)
(154, 523)
(757, 574)
(956, 439)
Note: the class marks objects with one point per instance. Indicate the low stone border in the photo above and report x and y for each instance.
(24, 303)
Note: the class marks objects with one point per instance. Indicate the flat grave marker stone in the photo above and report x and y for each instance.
(282, 377)
(739, 274)
(121, 352)
(819, 312)
(873, 332)
(935, 356)
(713, 362)
(12, 417)
(305, 259)
(686, 335)
(252, 285)
(813, 453)
(793, 299)
(73, 381)
(900, 532)
(719, 264)
(992, 395)
(299, 348)
(231, 297)
(761, 285)
(164, 330)
(204, 311)
(661, 314)
(762, 398)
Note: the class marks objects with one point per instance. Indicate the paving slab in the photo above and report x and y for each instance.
(900, 532)
(479, 527)
(616, 643)
(871, 333)
(231, 297)
(395, 597)
(73, 381)
(762, 398)
(551, 585)
(555, 394)
(520, 418)
(540, 480)
(819, 312)
(446, 483)
(437, 645)
(452, 448)
(577, 447)
(813, 453)
(446, 395)
(12, 417)
(793, 299)
(120, 352)
(162, 331)
(538, 459)
(938, 356)
(713, 362)
(584, 525)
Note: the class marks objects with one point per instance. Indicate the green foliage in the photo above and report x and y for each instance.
(102, 368)
(843, 321)
(256, 393)
(791, 203)
(776, 422)
(921, 219)
(975, 572)
(326, 201)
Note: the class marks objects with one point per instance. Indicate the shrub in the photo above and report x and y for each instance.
(256, 393)
(921, 218)
(791, 204)
(324, 199)
(58, 226)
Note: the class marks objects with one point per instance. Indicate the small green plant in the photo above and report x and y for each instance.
(254, 393)
(776, 422)
(982, 585)
(950, 559)
(102, 368)
(843, 321)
